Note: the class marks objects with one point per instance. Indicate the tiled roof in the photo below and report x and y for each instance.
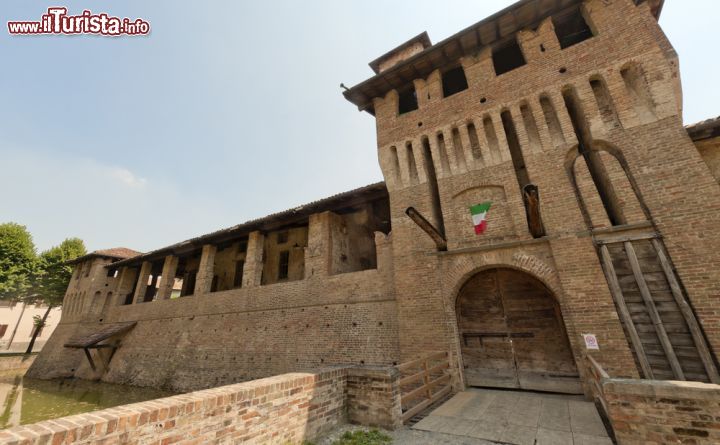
(336, 201)
(119, 253)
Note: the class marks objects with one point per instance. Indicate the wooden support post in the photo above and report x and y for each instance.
(617, 294)
(89, 357)
(142, 283)
(688, 314)
(652, 310)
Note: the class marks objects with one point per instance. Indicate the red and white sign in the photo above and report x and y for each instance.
(591, 341)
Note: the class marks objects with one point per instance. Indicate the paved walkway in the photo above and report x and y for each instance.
(518, 417)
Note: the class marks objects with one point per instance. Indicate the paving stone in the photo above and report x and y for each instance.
(553, 437)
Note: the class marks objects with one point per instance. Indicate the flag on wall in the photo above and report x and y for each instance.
(479, 216)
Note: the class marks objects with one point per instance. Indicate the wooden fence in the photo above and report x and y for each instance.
(424, 381)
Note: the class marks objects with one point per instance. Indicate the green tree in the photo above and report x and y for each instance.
(51, 279)
(18, 261)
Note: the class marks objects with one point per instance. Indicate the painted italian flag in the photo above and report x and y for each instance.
(479, 216)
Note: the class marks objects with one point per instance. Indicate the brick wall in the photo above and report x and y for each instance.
(285, 409)
(653, 411)
(373, 397)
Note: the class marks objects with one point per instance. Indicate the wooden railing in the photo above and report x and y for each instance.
(597, 374)
(424, 381)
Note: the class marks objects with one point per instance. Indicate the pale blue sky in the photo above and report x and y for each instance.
(228, 111)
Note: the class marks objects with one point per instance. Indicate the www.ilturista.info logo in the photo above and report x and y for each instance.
(56, 21)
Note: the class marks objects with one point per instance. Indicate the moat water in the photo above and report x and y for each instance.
(29, 400)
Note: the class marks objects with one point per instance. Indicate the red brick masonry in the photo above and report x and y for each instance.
(285, 409)
(660, 412)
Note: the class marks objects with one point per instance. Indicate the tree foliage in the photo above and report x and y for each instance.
(18, 261)
(53, 273)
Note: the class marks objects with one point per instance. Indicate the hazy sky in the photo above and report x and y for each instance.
(228, 111)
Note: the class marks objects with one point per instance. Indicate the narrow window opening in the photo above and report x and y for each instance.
(592, 158)
(605, 103)
(112, 273)
(434, 189)
(443, 153)
(492, 139)
(395, 163)
(459, 149)
(407, 101)
(412, 165)
(474, 141)
(508, 57)
(552, 121)
(284, 265)
(242, 246)
(214, 283)
(571, 28)
(454, 81)
(531, 127)
(518, 160)
(238, 279)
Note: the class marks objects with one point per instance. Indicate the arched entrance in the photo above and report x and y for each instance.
(512, 334)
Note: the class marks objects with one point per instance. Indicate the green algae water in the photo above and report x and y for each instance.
(27, 400)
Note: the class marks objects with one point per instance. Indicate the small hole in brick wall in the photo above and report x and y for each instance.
(542, 48)
(307, 325)
(563, 70)
(101, 320)
(327, 325)
(322, 360)
(326, 307)
(419, 124)
(354, 324)
(297, 359)
(362, 362)
(380, 323)
(483, 100)
(394, 363)
(302, 310)
(72, 370)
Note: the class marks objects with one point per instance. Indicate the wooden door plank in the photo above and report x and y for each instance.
(617, 294)
(688, 313)
(652, 310)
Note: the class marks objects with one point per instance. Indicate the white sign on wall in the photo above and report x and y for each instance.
(591, 341)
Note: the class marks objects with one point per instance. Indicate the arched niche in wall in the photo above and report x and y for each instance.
(458, 220)
(609, 196)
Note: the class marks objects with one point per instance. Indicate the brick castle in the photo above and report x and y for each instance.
(566, 118)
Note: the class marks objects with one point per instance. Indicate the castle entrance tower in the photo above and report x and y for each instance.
(543, 148)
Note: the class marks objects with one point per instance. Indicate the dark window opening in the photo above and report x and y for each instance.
(407, 101)
(571, 28)
(214, 284)
(454, 81)
(189, 283)
(242, 247)
(282, 237)
(112, 273)
(508, 57)
(284, 265)
(239, 267)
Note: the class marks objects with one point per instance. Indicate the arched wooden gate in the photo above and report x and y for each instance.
(512, 334)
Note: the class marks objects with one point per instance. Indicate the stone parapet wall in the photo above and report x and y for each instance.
(285, 409)
(655, 411)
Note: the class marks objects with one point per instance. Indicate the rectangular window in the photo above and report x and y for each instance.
(282, 237)
(284, 265)
(571, 28)
(454, 81)
(239, 267)
(3, 329)
(242, 247)
(407, 101)
(508, 57)
(112, 273)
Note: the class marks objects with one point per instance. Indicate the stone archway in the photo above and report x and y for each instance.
(512, 334)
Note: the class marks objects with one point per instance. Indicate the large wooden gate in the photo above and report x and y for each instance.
(512, 334)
